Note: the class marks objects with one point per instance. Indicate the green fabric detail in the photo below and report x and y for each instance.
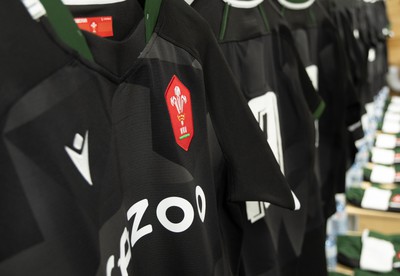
(184, 136)
(387, 102)
(64, 25)
(283, 11)
(264, 17)
(224, 22)
(367, 173)
(397, 167)
(359, 272)
(151, 12)
(380, 124)
(355, 194)
(312, 17)
(320, 109)
(349, 246)
(382, 236)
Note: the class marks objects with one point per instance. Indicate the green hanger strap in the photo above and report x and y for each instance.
(151, 11)
(224, 22)
(64, 25)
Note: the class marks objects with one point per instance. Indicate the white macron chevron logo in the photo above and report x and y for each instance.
(81, 160)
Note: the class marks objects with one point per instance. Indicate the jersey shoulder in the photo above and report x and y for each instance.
(183, 26)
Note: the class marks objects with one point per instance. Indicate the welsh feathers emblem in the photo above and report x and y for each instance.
(177, 97)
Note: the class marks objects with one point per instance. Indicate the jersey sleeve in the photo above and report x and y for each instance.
(315, 103)
(353, 104)
(254, 174)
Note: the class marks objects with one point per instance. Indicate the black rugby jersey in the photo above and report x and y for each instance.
(261, 52)
(145, 202)
(174, 57)
(319, 45)
(58, 175)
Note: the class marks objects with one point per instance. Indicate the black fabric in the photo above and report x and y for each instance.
(342, 107)
(239, 156)
(118, 53)
(342, 14)
(307, 264)
(16, 80)
(370, 20)
(51, 213)
(65, 205)
(264, 58)
(258, 254)
(231, 216)
(311, 248)
(303, 180)
(250, 26)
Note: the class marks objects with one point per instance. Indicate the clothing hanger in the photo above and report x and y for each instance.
(35, 8)
(296, 4)
(242, 4)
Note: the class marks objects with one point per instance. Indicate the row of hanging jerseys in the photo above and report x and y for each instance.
(162, 137)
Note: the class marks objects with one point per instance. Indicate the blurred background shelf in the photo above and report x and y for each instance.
(381, 221)
(344, 270)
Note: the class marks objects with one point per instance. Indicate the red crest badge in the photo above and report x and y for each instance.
(177, 97)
